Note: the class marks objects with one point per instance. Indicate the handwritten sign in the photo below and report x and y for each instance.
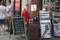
(18, 26)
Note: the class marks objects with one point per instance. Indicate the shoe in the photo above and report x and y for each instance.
(7, 30)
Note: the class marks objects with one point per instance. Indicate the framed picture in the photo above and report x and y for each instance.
(46, 2)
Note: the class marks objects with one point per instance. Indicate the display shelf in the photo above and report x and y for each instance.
(55, 5)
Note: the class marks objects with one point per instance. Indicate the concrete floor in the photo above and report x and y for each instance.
(7, 35)
(52, 39)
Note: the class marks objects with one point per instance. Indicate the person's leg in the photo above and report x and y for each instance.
(3, 26)
(3, 29)
(8, 22)
(0, 25)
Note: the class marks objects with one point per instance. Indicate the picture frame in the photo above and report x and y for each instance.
(46, 2)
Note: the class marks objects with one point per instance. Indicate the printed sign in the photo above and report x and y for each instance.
(17, 5)
(56, 25)
(57, 30)
(45, 24)
(33, 7)
(45, 31)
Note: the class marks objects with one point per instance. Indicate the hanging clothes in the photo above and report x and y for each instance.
(25, 15)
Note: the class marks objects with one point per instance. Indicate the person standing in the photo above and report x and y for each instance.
(9, 13)
(2, 16)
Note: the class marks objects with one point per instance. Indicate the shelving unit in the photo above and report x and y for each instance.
(55, 5)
